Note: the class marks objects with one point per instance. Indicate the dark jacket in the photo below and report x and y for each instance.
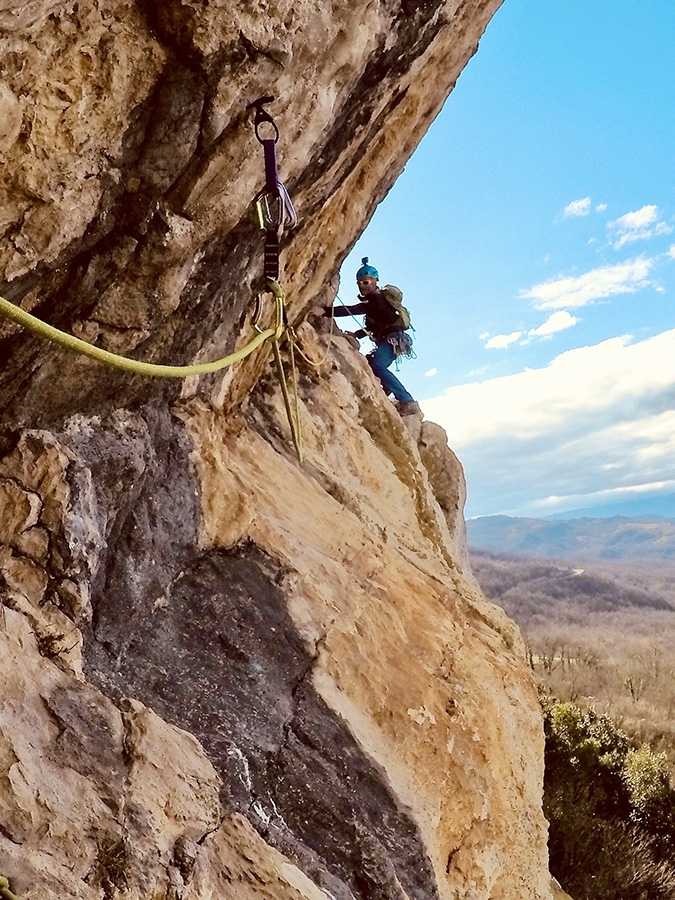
(381, 317)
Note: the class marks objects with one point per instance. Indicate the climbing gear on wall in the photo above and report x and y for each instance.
(292, 412)
(284, 214)
(274, 206)
(293, 341)
(276, 215)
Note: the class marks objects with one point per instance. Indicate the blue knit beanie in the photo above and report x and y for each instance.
(366, 270)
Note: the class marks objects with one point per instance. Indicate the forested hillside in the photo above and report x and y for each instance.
(600, 539)
(600, 641)
(601, 635)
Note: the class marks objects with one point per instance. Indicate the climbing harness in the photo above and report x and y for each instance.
(5, 891)
(402, 345)
(400, 341)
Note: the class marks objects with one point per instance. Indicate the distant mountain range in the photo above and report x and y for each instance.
(654, 507)
(614, 538)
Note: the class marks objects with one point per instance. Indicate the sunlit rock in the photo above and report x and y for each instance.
(224, 671)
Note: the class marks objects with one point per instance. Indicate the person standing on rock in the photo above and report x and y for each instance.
(386, 323)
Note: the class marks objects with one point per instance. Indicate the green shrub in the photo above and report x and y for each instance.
(646, 777)
(611, 810)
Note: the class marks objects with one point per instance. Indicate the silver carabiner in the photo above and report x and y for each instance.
(275, 210)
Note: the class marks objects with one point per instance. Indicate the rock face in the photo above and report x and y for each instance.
(225, 672)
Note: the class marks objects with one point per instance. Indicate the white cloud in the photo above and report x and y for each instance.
(501, 341)
(557, 321)
(671, 252)
(578, 207)
(430, 373)
(640, 225)
(552, 504)
(633, 221)
(601, 207)
(605, 281)
(598, 419)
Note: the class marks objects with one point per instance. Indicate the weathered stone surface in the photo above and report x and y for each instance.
(222, 672)
(171, 801)
(398, 654)
(19, 510)
(126, 199)
(446, 477)
(93, 801)
(367, 712)
(73, 75)
(237, 863)
(62, 773)
(286, 760)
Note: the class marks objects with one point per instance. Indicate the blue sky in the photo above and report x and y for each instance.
(533, 235)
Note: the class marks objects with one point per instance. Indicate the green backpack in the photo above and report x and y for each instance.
(394, 297)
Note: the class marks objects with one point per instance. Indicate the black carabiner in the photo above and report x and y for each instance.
(269, 145)
(261, 115)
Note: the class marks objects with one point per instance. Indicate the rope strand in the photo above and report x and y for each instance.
(317, 365)
(70, 342)
(5, 891)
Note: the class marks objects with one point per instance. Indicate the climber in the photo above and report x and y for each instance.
(386, 322)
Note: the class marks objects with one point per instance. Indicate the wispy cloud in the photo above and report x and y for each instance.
(597, 419)
(500, 341)
(601, 207)
(640, 225)
(578, 207)
(430, 373)
(557, 321)
(605, 281)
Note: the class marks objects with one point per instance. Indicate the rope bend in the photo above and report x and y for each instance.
(70, 342)
(5, 891)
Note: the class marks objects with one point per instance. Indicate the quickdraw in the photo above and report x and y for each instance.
(273, 204)
(276, 215)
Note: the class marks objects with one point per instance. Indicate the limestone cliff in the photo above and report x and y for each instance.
(225, 673)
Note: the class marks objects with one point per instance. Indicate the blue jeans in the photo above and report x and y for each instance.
(379, 360)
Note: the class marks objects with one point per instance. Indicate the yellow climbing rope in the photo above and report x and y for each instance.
(273, 334)
(276, 212)
(63, 339)
(5, 891)
(291, 413)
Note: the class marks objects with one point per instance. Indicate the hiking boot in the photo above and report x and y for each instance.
(409, 408)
